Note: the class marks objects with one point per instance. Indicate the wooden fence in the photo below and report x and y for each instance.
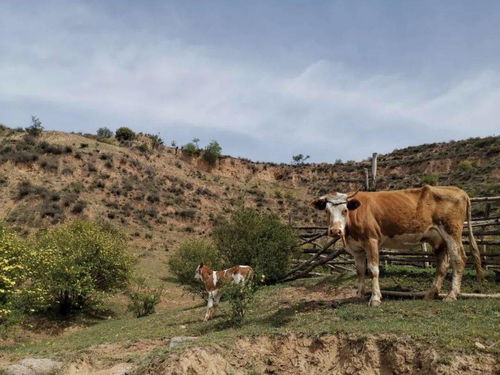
(318, 249)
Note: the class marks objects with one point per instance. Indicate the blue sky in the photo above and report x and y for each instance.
(267, 79)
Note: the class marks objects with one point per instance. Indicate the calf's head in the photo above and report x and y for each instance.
(336, 206)
(197, 274)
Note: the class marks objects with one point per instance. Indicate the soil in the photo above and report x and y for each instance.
(332, 354)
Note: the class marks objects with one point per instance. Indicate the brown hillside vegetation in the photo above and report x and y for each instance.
(160, 197)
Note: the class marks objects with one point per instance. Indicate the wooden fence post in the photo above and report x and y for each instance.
(374, 171)
(367, 180)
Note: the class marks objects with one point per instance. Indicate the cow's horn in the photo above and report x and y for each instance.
(352, 195)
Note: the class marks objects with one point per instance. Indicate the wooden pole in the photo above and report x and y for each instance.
(374, 171)
(367, 180)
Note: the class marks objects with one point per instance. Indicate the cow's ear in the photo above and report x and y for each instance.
(200, 266)
(319, 203)
(353, 204)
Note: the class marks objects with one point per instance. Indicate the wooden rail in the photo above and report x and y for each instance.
(326, 255)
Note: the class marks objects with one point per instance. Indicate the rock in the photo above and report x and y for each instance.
(33, 366)
(177, 340)
(16, 370)
(479, 345)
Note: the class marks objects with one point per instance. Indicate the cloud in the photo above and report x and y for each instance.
(325, 108)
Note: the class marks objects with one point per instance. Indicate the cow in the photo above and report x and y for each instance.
(215, 280)
(399, 219)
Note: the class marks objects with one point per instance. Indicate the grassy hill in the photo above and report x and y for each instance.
(160, 197)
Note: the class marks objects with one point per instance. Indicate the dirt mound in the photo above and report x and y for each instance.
(332, 354)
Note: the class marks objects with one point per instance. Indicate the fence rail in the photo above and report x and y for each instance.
(334, 259)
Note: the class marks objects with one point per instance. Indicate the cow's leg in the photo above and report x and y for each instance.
(360, 261)
(210, 306)
(442, 267)
(457, 260)
(373, 266)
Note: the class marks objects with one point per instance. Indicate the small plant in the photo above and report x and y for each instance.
(239, 296)
(429, 180)
(142, 299)
(212, 153)
(124, 134)
(299, 159)
(104, 133)
(156, 142)
(190, 149)
(36, 128)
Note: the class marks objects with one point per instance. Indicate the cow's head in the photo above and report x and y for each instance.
(197, 274)
(336, 206)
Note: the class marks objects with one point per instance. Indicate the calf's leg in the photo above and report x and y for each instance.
(210, 306)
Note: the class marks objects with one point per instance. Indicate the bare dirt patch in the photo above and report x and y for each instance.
(333, 354)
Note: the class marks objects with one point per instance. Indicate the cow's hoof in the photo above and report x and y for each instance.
(431, 294)
(450, 298)
(374, 303)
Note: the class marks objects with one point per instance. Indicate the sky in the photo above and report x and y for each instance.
(266, 79)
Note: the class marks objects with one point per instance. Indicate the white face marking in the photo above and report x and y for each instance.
(197, 275)
(337, 211)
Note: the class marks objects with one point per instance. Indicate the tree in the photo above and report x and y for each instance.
(104, 133)
(190, 149)
(299, 159)
(124, 134)
(36, 127)
(212, 152)
(196, 141)
(156, 142)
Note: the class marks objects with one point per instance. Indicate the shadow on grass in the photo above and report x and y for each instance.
(285, 315)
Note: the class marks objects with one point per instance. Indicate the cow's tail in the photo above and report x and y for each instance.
(473, 244)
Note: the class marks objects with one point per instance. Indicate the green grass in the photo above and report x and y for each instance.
(447, 326)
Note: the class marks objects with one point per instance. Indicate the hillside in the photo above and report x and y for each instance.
(161, 197)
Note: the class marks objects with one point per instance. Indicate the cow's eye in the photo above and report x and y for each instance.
(344, 211)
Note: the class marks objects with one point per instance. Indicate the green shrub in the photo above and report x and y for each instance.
(188, 256)
(124, 134)
(143, 299)
(239, 297)
(212, 153)
(36, 128)
(13, 252)
(429, 180)
(104, 133)
(156, 142)
(258, 240)
(190, 149)
(75, 265)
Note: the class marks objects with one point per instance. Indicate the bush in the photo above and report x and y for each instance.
(36, 128)
(212, 153)
(429, 180)
(12, 269)
(124, 134)
(190, 149)
(257, 240)
(188, 256)
(104, 133)
(75, 265)
(239, 296)
(143, 300)
(156, 142)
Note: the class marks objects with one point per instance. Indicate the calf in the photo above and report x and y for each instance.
(215, 280)
(367, 221)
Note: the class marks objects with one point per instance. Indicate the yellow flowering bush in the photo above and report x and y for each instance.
(74, 264)
(12, 269)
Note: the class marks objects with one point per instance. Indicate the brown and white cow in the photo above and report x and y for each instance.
(215, 280)
(368, 221)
